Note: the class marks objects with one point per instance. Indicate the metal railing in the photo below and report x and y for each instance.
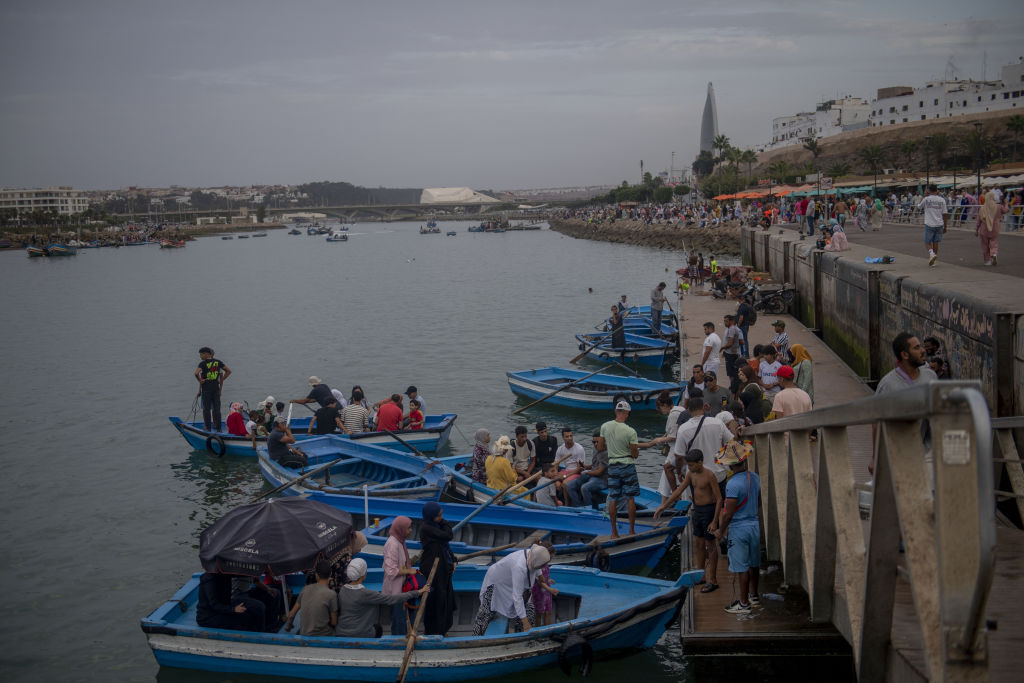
(813, 524)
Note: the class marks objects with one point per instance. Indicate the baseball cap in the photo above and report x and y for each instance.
(785, 372)
(623, 405)
(780, 323)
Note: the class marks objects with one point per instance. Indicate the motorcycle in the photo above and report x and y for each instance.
(774, 301)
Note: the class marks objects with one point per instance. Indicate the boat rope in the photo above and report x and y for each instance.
(456, 425)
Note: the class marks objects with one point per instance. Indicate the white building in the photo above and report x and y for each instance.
(829, 118)
(63, 200)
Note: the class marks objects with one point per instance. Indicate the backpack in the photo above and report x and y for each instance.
(752, 318)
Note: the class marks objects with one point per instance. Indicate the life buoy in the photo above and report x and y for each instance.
(216, 439)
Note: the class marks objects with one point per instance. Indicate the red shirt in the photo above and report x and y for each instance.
(415, 419)
(236, 424)
(389, 417)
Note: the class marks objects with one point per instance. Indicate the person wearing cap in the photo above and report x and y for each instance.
(792, 400)
(211, 374)
(319, 392)
(358, 604)
(716, 397)
(544, 446)
(504, 585)
(739, 525)
(319, 605)
(413, 393)
(781, 340)
(279, 446)
(623, 450)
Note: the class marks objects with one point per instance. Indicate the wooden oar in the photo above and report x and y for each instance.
(602, 339)
(501, 493)
(560, 389)
(307, 475)
(405, 443)
(486, 551)
(410, 643)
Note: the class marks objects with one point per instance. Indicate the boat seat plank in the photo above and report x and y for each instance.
(538, 535)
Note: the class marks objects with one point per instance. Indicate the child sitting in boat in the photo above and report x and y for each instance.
(546, 492)
(415, 416)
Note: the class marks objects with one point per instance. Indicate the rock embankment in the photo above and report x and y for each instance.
(723, 239)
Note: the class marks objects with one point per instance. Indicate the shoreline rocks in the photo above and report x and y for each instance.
(723, 239)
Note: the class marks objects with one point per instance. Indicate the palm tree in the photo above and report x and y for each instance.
(907, 149)
(838, 169)
(1015, 124)
(735, 156)
(873, 156)
(749, 157)
(780, 170)
(721, 143)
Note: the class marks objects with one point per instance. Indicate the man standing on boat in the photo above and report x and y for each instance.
(623, 450)
(211, 374)
(657, 304)
(319, 392)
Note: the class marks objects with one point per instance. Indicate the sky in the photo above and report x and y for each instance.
(514, 94)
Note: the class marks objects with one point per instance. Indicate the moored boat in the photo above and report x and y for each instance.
(259, 234)
(35, 252)
(433, 436)
(61, 250)
(639, 350)
(172, 244)
(451, 233)
(227, 237)
(609, 613)
(337, 238)
(383, 471)
(597, 392)
(294, 231)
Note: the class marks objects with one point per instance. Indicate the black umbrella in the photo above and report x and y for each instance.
(282, 535)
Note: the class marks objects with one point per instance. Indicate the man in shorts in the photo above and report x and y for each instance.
(935, 217)
(623, 450)
(704, 515)
(739, 526)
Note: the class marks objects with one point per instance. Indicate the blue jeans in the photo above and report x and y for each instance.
(656, 318)
(744, 349)
(810, 225)
(583, 489)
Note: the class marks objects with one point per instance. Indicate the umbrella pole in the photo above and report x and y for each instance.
(284, 595)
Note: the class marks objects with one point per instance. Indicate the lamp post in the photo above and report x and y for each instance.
(977, 140)
(927, 160)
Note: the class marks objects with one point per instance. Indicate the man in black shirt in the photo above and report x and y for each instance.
(319, 392)
(279, 446)
(327, 419)
(744, 316)
(544, 447)
(211, 374)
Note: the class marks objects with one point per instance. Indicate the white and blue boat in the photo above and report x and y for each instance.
(382, 471)
(463, 486)
(337, 237)
(642, 326)
(433, 436)
(597, 392)
(639, 350)
(595, 612)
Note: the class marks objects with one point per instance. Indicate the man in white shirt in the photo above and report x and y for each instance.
(577, 456)
(704, 432)
(935, 215)
(767, 371)
(712, 357)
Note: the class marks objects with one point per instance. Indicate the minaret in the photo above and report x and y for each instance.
(709, 122)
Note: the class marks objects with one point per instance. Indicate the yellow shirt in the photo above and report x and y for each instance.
(500, 474)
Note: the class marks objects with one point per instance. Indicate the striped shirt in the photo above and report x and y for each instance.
(356, 418)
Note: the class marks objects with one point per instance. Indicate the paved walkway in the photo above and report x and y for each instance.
(959, 246)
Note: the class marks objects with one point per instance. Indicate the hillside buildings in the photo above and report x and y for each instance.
(62, 200)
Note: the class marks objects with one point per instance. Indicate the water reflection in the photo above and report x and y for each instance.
(219, 485)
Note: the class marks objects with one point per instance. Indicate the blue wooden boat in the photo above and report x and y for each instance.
(61, 250)
(259, 234)
(639, 350)
(35, 252)
(612, 613)
(577, 536)
(642, 326)
(383, 471)
(433, 436)
(597, 392)
(463, 486)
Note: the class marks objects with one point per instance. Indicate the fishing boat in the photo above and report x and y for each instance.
(463, 486)
(431, 223)
(596, 392)
(172, 244)
(312, 230)
(294, 231)
(35, 252)
(259, 234)
(451, 233)
(642, 326)
(602, 613)
(433, 436)
(639, 350)
(61, 250)
(499, 530)
(243, 237)
(477, 228)
(337, 238)
(227, 237)
(384, 472)
(430, 230)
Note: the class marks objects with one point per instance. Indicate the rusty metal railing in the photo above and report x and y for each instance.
(934, 500)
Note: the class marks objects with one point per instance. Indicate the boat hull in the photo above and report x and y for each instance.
(639, 350)
(596, 393)
(434, 436)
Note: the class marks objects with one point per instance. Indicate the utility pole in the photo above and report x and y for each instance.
(977, 130)
(641, 171)
(927, 160)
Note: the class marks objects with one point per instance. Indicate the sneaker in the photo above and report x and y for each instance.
(755, 600)
(738, 608)
(931, 259)
(987, 263)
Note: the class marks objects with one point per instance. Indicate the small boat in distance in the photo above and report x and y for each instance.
(294, 231)
(35, 252)
(243, 237)
(172, 244)
(337, 237)
(61, 250)
(596, 392)
(430, 230)
(451, 233)
(259, 234)
(227, 237)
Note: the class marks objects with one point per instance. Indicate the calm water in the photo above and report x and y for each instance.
(103, 502)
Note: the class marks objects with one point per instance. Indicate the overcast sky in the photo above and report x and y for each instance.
(493, 95)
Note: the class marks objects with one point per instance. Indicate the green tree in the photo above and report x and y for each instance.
(907, 149)
(261, 213)
(938, 146)
(838, 169)
(648, 179)
(704, 164)
(874, 157)
(812, 146)
(680, 190)
(721, 143)
(1015, 124)
(781, 171)
(663, 194)
(749, 157)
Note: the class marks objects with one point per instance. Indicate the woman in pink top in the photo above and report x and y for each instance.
(987, 229)
(396, 567)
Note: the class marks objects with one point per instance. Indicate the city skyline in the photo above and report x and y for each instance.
(111, 94)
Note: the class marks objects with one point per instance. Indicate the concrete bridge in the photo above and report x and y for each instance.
(399, 212)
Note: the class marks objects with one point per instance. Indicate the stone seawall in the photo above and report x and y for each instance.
(858, 308)
(718, 240)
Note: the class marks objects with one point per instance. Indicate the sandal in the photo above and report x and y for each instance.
(709, 588)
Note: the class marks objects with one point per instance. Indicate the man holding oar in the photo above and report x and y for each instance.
(623, 450)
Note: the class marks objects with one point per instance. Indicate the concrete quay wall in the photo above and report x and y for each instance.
(858, 307)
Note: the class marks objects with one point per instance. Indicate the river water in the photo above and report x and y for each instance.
(103, 501)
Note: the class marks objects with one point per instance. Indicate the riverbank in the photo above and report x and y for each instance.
(723, 239)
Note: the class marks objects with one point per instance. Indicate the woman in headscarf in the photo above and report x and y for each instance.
(396, 567)
(236, 420)
(504, 584)
(990, 215)
(478, 461)
(752, 399)
(803, 369)
(435, 534)
(500, 474)
(358, 604)
(861, 213)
